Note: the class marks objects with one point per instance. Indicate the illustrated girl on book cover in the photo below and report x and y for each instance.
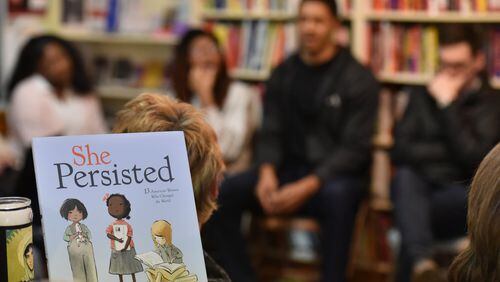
(165, 263)
(161, 231)
(28, 263)
(122, 261)
(78, 236)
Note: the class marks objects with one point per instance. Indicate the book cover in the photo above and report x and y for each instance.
(108, 202)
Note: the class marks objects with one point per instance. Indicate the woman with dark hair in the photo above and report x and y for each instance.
(481, 259)
(50, 93)
(200, 77)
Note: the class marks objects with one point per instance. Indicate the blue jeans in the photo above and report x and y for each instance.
(425, 212)
(334, 206)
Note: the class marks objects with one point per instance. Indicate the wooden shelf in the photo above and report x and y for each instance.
(404, 78)
(116, 92)
(250, 75)
(117, 38)
(245, 15)
(429, 17)
(380, 267)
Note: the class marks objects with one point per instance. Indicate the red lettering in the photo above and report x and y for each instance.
(105, 157)
(77, 152)
(90, 155)
(83, 155)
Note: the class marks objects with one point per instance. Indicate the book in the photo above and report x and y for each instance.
(104, 199)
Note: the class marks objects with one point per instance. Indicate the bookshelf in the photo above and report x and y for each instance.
(405, 78)
(431, 17)
(238, 25)
(124, 93)
(106, 38)
(145, 41)
(212, 14)
(400, 18)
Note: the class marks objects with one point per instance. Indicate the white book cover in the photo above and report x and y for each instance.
(107, 199)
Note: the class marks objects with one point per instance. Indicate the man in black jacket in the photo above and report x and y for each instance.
(448, 127)
(314, 149)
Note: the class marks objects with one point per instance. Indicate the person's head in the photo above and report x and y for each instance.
(161, 231)
(28, 256)
(199, 48)
(73, 210)
(461, 50)
(154, 112)
(480, 261)
(317, 23)
(55, 59)
(118, 206)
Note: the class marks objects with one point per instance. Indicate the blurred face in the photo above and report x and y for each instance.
(75, 215)
(458, 60)
(56, 65)
(315, 27)
(204, 53)
(160, 240)
(29, 259)
(116, 207)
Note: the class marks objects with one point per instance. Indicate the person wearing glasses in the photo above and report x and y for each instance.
(447, 128)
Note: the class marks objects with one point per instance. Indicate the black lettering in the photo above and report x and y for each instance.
(78, 176)
(60, 176)
(126, 176)
(147, 172)
(135, 170)
(169, 171)
(115, 173)
(105, 176)
(91, 173)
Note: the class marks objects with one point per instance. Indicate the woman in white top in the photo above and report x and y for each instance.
(200, 77)
(50, 94)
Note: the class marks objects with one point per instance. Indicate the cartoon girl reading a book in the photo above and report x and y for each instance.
(165, 263)
(78, 236)
(161, 231)
(122, 261)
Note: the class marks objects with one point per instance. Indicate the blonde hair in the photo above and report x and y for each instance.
(162, 228)
(481, 260)
(154, 112)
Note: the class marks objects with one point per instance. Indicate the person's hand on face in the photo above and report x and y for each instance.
(445, 87)
(204, 60)
(458, 67)
(202, 81)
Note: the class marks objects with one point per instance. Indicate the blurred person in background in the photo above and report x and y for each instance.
(446, 130)
(480, 261)
(49, 93)
(314, 150)
(200, 77)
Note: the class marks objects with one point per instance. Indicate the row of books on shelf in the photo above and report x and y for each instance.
(128, 73)
(437, 5)
(283, 6)
(413, 49)
(255, 45)
(266, 6)
(126, 16)
(403, 48)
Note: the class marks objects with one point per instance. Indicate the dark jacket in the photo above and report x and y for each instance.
(340, 142)
(215, 273)
(446, 145)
